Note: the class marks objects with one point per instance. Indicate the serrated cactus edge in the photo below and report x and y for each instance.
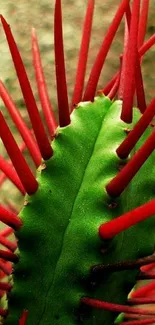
(84, 239)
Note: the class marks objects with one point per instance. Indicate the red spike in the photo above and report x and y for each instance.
(146, 276)
(130, 65)
(63, 106)
(141, 301)
(6, 267)
(8, 256)
(6, 231)
(32, 109)
(42, 88)
(20, 124)
(123, 265)
(83, 55)
(144, 290)
(11, 174)
(114, 89)
(3, 312)
(109, 85)
(144, 48)
(147, 268)
(27, 179)
(22, 320)
(10, 218)
(115, 307)
(8, 243)
(143, 22)
(5, 286)
(121, 180)
(147, 45)
(139, 322)
(115, 226)
(128, 144)
(141, 101)
(124, 56)
(97, 67)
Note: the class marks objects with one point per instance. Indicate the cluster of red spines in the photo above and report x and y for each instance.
(126, 83)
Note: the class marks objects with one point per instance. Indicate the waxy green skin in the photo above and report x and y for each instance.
(59, 241)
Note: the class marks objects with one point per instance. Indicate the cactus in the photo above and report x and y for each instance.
(85, 236)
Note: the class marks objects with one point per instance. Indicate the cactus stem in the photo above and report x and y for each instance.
(100, 59)
(8, 256)
(20, 124)
(125, 265)
(115, 307)
(110, 229)
(128, 144)
(144, 290)
(42, 88)
(83, 55)
(9, 218)
(26, 177)
(139, 322)
(118, 184)
(63, 106)
(32, 109)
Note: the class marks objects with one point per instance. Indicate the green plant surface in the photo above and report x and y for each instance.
(59, 241)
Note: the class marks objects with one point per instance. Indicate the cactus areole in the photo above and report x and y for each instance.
(85, 238)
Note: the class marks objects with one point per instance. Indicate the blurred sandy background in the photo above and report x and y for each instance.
(22, 15)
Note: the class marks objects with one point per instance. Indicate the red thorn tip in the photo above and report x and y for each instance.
(115, 307)
(32, 109)
(97, 67)
(10, 218)
(63, 106)
(139, 322)
(143, 22)
(121, 180)
(26, 177)
(23, 318)
(9, 256)
(83, 55)
(42, 88)
(130, 64)
(115, 226)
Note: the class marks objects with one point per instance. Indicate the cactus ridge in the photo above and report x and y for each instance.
(82, 235)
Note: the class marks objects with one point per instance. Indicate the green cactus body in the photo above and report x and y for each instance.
(60, 242)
